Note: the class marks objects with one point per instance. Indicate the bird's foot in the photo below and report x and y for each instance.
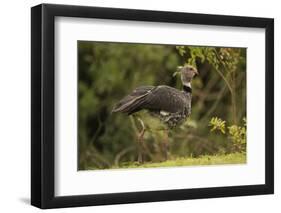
(166, 152)
(140, 159)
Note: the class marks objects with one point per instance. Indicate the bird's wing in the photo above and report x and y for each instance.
(165, 98)
(160, 98)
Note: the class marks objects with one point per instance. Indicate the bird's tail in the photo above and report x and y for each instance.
(133, 102)
(129, 105)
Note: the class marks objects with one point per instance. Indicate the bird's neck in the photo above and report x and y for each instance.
(187, 87)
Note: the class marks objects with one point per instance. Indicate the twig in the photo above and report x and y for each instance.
(122, 153)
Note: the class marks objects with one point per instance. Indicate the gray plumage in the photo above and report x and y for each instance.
(169, 104)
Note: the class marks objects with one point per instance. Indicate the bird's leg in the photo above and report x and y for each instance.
(141, 146)
(165, 144)
(140, 143)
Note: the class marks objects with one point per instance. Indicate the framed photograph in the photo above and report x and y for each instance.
(139, 106)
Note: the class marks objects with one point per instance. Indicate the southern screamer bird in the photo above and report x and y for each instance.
(159, 108)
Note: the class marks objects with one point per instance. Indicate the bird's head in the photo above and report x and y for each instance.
(187, 73)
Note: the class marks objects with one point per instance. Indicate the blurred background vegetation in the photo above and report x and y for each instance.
(109, 71)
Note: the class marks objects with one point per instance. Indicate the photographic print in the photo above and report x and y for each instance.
(155, 101)
(152, 105)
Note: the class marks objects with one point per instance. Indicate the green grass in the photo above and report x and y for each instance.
(235, 158)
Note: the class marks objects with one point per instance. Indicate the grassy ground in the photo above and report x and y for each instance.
(234, 158)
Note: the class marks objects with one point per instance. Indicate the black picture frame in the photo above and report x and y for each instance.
(43, 102)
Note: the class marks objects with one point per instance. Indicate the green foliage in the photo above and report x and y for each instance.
(217, 124)
(237, 134)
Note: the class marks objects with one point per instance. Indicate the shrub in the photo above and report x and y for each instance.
(236, 134)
